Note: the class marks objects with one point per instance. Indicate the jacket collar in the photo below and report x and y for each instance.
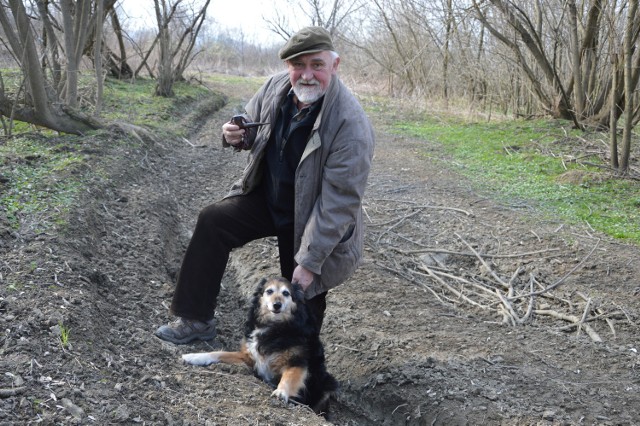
(329, 97)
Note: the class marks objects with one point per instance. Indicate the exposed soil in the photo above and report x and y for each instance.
(405, 347)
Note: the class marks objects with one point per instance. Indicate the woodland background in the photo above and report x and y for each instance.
(571, 60)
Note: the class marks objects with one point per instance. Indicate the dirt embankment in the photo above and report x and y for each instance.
(415, 337)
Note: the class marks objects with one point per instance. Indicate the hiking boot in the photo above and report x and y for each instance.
(183, 331)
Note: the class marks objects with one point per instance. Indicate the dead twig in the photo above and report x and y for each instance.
(608, 320)
(531, 305)
(584, 317)
(599, 316)
(458, 253)
(412, 280)
(515, 319)
(453, 277)
(573, 319)
(453, 290)
(395, 220)
(398, 223)
(561, 280)
(484, 263)
(347, 347)
(189, 142)
(424, 206)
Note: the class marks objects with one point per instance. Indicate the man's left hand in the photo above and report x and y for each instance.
(302, 276)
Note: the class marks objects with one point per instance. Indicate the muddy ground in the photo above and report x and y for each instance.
(419, 336)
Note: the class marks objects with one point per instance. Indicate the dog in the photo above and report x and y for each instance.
(282, 345)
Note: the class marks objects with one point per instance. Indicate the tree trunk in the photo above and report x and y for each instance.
(575, 56)
(165, 73)
(119, 66)
(613, 116)
(98, 57)
(41, 104)
(144, 62)
(186, 54)
(75, 18)
(445, 65)
(628, 84)
(50, 42)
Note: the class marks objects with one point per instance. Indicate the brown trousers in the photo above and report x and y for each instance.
(221, 227)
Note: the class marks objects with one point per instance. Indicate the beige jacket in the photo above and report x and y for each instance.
(330, 179)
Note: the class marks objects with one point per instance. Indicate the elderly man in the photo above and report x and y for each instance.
(304, 182)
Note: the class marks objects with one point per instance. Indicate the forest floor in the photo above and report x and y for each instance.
(438, 327)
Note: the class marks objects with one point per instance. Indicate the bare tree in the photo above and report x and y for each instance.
(75, 16)
(575, 55)
(578, 89)
(40, 104)
(613, 116)
(176, 54)
(447, 40)
(117, 63)
(50, 42)
(630, 37)
(522, 25)
(333, 15)
(183, 53)
(165, 73)
(98, 58)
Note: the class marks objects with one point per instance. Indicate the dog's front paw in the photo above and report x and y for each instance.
(203, 358)
(279, 393)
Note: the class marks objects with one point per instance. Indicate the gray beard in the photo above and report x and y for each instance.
(307, 94)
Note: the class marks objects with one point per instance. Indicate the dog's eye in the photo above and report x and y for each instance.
(269, 292)
(286, 293)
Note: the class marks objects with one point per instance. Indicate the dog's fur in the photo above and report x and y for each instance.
(282, 345)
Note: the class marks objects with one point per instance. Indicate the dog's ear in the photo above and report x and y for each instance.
(298, 293)
(254, 308)
(257, 294)
(260, 287)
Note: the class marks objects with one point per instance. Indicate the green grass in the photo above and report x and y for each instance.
(521, 162)
(133, 102)
(39, 180)
(65, 334)
(42, 173)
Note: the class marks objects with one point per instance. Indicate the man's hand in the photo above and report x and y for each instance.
(233, 134)
(302, 276)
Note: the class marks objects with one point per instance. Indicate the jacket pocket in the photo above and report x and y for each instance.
(342, 262)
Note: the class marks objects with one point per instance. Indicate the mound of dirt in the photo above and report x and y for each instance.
(466, 311)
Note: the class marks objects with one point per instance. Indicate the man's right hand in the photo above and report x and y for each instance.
(232, 134)
(302, 276)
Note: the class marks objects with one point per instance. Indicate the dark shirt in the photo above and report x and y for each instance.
(283, 153)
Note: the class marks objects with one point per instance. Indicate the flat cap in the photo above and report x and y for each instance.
(307, 40)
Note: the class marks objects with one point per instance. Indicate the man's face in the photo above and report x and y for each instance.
(311, 74)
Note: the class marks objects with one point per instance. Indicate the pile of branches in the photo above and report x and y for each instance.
(516, 300)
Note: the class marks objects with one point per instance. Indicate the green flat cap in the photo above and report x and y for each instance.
(307, 40)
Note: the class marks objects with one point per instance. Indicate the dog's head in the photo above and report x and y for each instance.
(277, 299)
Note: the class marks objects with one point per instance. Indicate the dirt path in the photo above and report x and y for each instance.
(405, 348)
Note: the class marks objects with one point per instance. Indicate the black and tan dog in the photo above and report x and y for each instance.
(282, 345)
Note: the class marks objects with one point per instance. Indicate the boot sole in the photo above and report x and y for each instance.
(187, 339)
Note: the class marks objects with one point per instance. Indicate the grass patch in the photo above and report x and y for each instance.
(42, 173)
(39, 181)
(133, 102)
(65, 334)
(527, 162)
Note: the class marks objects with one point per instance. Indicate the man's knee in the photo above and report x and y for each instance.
(208, 213)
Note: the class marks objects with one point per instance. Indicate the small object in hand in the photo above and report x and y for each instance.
(242, 123)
